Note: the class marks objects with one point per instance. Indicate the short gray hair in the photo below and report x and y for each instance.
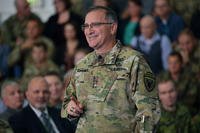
(110, 14)
(5, 84)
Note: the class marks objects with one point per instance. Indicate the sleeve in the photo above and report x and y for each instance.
(69, 92)
(144, 96)
(14, 56)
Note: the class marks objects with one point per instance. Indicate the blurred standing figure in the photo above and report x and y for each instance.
(129, 26)
(175, 117)
(12, 98)
(168, 22)
(37, 117)
(154, 46)
(14, 26)
(112, 89)
(54, 27)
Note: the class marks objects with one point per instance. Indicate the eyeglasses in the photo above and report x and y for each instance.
(93, 25)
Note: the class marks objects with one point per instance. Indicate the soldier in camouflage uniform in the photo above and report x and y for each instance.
(40, 65)
(4, 127)
(175, 117)
(185, 8)
(187, 87)
(112, 89)
(15, 25)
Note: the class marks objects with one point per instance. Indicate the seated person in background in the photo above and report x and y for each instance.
(189, 48)
(21, 52)
(37, 117)
(175, 117)
(14, 27)
(186, 86)
(155, 47)
(168, 22)
(40, 64)
(12, 98)
(56, 89)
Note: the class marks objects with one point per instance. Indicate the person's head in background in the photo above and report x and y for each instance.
(162, 8)
(187, 41)
(39, 53)
(23, 8)
(62, 5)
(134, 8)
(167, 94)
(11, 95)
(175, 63)
(37, 93)
(33, 29)
(147, 26)
(55, 88)
(71, 31)
(100, 28)
(80, 54)
(105, 3)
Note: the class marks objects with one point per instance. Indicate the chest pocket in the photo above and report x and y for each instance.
(98, 82)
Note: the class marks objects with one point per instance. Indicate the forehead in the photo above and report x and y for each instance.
(166, 86)
(95, 16)
(39, 85)
(12, 87)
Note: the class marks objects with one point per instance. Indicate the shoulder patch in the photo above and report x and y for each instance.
(149, 81)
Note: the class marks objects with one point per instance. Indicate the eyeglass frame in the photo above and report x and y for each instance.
(94, 25)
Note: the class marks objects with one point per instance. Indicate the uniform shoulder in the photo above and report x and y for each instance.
(130, 52)
(86, 60)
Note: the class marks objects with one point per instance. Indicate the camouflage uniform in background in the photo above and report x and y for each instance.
(4, 127)
(17, 54)
(178, 121)
(31, 70)
(196, 123)
(15, 28)
(117, 91)
(185, 8)
(187, 87)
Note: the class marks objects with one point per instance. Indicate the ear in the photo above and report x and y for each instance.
(114, 29)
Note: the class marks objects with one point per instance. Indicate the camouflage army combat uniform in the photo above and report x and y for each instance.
(4, 127)
(185, 8)
(178, 121)
(111, 88)
(196, 124)
(31, 70)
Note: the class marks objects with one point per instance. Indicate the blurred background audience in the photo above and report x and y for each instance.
(167, 32)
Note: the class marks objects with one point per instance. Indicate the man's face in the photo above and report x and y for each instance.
(38, 54)
(38, 93)
(98, 35)
(59, 6)
(186, 43)
(167, 94)
(174, 64)
(32, 29)
(147, 28)
(23, 7)
(13, 97)
(55, 87)
(161, 7)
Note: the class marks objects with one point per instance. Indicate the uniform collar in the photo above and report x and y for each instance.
(109, 58)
